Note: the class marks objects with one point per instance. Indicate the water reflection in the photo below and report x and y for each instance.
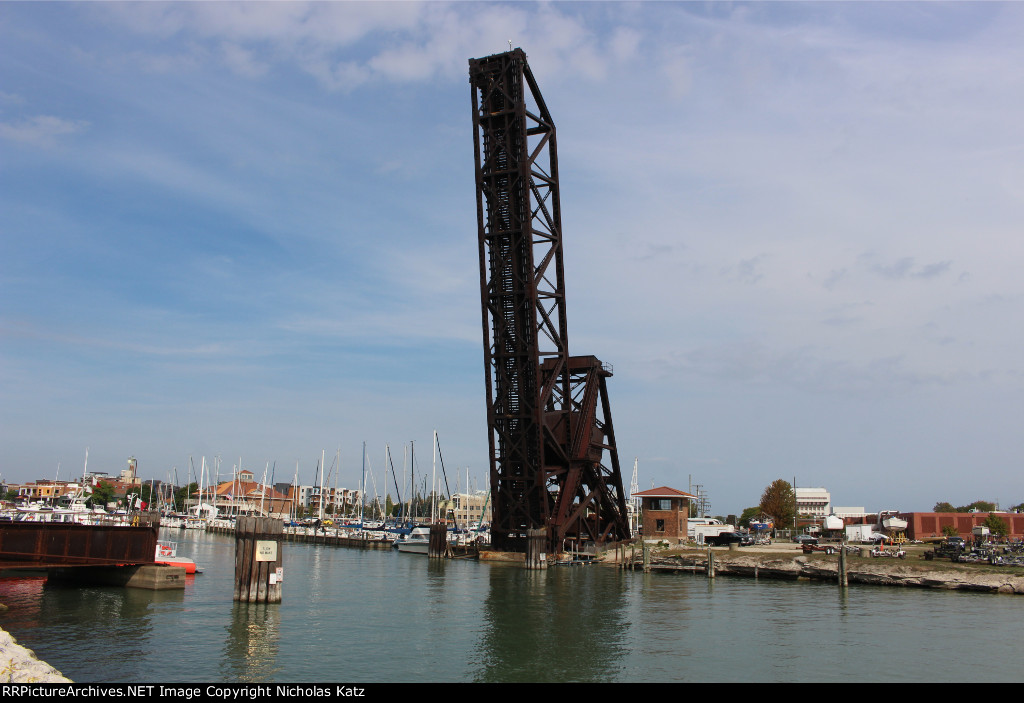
(556, 625)
(252, 643)
(112, 630)
(378, 616)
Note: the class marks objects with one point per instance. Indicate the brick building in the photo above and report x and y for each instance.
(664, 512)
(925, 525)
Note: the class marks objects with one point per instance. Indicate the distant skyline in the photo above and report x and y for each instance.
(249, 230)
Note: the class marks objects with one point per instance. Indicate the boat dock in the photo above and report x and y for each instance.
(332, 537)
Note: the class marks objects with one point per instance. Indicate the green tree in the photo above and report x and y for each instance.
(997, 525)
(982, 506)
(949, 530)
(944, 507)
(102, 493)
(779, 502)
(183, 494)
(748, 515)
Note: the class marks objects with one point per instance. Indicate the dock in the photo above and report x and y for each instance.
(330, 537)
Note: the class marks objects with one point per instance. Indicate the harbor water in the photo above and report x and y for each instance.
(354, 616)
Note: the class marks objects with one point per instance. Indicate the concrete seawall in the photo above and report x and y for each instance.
(882, 572)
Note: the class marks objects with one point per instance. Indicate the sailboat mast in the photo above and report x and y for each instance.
(323, 456)
(295, 484)
(433, 484)
(362, 486)
(202, 473)
(334, 498)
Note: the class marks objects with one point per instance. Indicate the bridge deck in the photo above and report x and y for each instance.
(44, 545)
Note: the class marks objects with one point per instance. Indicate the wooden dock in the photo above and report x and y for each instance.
(331, 538)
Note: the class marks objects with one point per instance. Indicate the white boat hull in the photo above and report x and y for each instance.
(413, 547)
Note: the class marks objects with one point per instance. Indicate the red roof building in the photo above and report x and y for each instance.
(664, 512)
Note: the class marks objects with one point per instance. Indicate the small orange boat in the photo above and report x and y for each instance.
(167, 553)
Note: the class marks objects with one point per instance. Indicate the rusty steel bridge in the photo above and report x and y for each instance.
(48, 545)
(548, 414)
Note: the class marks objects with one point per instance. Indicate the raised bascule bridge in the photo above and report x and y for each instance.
(553, 461)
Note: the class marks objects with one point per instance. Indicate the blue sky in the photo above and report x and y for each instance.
(248, 230)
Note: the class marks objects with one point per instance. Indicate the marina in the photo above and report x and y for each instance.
(227, 299)
(381, 616)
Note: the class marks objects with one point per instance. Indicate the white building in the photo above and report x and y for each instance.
(813, 502)
(467, 508)
(844, 512)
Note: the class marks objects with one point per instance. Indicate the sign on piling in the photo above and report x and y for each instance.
(536, 548)
(258, 552)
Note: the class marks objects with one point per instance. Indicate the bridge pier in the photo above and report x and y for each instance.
(152, 577)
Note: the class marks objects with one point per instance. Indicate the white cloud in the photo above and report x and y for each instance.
(40, 130)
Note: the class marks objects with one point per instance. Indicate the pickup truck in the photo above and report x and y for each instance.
(950, 548)
(724, 538)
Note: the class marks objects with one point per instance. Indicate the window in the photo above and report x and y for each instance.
(659, 526)
(661, 504)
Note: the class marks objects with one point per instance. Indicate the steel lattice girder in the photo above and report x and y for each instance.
(534, 427)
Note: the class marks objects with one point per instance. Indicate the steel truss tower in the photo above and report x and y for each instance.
(548, 414)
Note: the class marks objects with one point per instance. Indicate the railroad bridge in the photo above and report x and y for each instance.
(46, 545)
(548, 414)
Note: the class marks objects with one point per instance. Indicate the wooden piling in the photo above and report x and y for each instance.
(438, 547)
(842, 574)
(258, 559)
(536, 548)
(711, 563)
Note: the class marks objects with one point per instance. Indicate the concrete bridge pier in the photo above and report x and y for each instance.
(153, 577)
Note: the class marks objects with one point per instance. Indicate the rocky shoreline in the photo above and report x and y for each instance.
(890, 572)
(20, 665)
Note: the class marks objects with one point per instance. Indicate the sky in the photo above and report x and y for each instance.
(248, 231)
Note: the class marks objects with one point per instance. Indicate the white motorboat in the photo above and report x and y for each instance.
(832, 522)
(891, 522)
(416, 542)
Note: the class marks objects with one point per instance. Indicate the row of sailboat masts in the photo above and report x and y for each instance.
(321, 480)
(204, 477)
(409, 463)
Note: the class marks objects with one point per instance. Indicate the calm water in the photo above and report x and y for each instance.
(369, 616)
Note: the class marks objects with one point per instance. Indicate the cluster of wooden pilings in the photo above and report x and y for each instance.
(707, 565)
(258, 559)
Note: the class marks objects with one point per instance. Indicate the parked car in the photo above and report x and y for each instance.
(805, 539)
(724, 538)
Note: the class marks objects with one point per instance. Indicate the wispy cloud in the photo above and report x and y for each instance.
(40, 130)
(776, 216)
